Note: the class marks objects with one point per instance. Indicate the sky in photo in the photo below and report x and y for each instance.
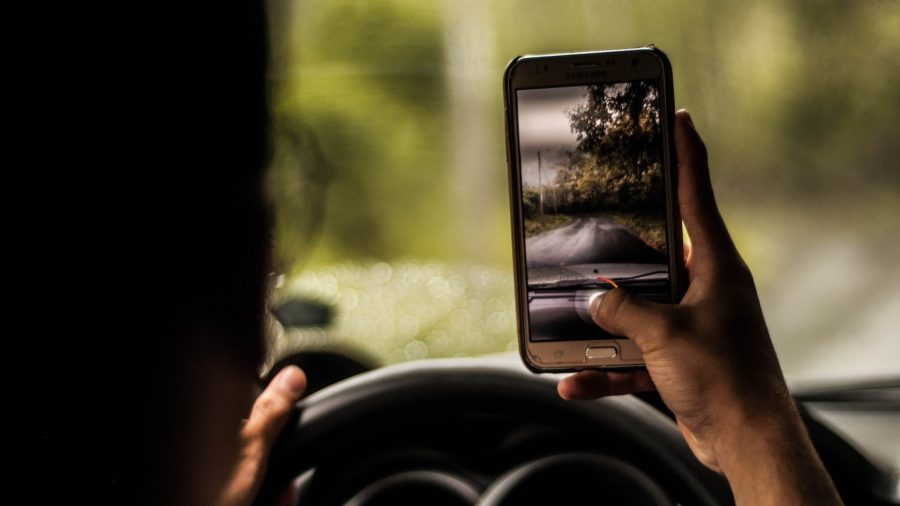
(544, 127)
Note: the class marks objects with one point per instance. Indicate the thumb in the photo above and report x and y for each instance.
(270, 413)
(274, 405)
(622, 313)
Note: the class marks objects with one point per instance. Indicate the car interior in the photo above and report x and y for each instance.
(393, 278)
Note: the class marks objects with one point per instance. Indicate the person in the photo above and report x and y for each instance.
(175, 272)
(166, 412)
(710, 357)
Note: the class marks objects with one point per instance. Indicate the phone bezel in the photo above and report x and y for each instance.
(578, 69)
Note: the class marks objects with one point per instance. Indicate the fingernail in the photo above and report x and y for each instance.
(563, 392)
(292, 379)
(688, 117)
(594, 304)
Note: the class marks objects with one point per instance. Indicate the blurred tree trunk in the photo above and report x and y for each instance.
(469, 50)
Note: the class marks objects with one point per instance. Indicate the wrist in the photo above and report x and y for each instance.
(771, 419)
(745, 435)
(768, 458)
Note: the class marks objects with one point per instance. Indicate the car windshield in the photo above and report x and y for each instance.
(389, 183)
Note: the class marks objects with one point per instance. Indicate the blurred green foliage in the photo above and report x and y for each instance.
(403, 311)
(389, 137)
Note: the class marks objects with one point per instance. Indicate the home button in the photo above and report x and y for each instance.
(600, 352)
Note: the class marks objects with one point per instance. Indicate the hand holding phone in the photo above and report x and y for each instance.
(711, 359)
(591, 163)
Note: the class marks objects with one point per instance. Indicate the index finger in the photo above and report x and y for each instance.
(586, 385)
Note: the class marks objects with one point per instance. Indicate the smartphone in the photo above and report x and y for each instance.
(593, 198)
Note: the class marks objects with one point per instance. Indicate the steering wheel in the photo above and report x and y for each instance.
(613, 450)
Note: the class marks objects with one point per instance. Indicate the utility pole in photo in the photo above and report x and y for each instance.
(540, 188)
(555, 212)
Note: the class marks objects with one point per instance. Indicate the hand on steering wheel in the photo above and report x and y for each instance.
(268, 417)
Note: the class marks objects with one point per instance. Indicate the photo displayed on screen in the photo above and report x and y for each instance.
(593, 198)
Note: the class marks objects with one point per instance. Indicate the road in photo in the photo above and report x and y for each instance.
(589, 240)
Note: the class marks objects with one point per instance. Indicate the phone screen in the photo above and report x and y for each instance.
(593, 201)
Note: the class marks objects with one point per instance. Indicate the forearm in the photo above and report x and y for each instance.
(770, 460)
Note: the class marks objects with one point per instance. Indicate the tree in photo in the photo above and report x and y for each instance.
(617, 163)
